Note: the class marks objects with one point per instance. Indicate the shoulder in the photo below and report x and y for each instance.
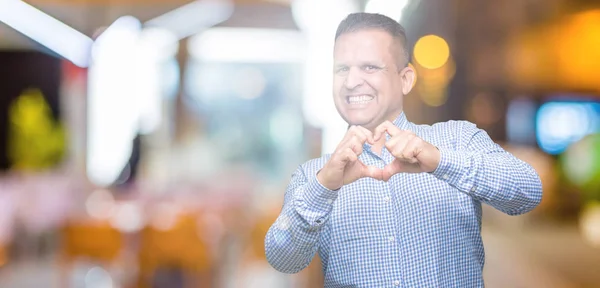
(448, 127)
(311, 167)
(451, 134)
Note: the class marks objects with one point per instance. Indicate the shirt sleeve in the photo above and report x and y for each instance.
(482, 169)
(292, 241)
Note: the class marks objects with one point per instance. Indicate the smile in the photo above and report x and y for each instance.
(359, 99)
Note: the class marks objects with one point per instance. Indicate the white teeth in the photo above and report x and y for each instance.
(359, 99)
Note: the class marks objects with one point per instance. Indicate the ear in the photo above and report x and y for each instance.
(408, 77)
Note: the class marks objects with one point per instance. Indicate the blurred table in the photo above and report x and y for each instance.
(538, 254)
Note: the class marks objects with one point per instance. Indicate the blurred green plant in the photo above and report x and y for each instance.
(581, 166)
(36, 141)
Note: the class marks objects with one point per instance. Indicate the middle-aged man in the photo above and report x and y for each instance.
(396, 204)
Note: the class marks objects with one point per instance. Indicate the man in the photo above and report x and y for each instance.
(396, 204)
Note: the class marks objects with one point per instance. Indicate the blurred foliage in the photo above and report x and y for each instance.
(581, 166)
(36, 140)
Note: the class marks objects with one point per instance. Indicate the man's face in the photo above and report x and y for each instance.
(368, 85)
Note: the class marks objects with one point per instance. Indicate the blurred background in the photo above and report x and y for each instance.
(148, 143)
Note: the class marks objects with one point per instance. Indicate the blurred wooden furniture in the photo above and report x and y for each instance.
(97, 241)
(3, 255)
(177, 247)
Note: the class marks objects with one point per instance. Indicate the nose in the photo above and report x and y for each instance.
(353, 79)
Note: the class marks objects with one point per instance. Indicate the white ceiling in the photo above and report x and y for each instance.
(88, 18)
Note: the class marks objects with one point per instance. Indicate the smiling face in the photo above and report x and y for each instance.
(370, 78)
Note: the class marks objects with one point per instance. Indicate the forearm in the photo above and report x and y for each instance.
(292, 241)
(494, 177)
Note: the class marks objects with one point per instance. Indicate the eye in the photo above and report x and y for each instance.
(342, 70)
(370, 68)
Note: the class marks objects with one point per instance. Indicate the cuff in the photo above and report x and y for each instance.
(451, 167)
(320, 199)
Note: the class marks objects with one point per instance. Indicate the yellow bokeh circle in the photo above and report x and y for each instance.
(431, 52)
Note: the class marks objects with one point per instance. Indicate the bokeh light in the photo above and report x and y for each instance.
(559, 124)
(392, 9)
(433, 83)
(581, 165)
(564, 55)
(577, 49)
(589, 224)
(431, 51)
(483, 109)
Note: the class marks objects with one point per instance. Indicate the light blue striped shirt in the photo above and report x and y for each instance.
(417, 230)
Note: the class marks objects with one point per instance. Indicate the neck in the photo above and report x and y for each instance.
(395, 116)
(392, 118)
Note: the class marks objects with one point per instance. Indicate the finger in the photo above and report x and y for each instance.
(348, 135)
(393, 142)
(343, 156)
(384, 127)
(412, 149)
(391, 170)
(398, 145)
(362, 133)
(368, 134)
(348, 156)
(379, 131)
(356, 145)
(356, 138)
(352, 143)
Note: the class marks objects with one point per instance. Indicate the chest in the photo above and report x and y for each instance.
(404, 191)
(408, 204)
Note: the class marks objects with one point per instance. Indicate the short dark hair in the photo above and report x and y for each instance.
(355, 22)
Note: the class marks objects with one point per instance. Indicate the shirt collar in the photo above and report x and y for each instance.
(401, 121)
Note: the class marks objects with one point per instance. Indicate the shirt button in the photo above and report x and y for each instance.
(446, 176)
(397, 283)
(392, 238)
(319, 221)
(386, 199)
(473, 189)
(329, 201)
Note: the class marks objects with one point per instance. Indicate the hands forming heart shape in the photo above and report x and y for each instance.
(412, 155)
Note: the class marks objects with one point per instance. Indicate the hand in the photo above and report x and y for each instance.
(344, 167)
(413, 154)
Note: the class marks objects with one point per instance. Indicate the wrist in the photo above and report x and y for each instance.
(450, 166)
(322, 177)
(437, 159)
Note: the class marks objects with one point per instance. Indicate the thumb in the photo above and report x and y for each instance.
(371, 171)
(391, 169)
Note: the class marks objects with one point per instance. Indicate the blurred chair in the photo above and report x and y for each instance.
(3, 254)
(310, 277)
(255, 271)
(257, 236)
(176, 249)
(96, 241)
